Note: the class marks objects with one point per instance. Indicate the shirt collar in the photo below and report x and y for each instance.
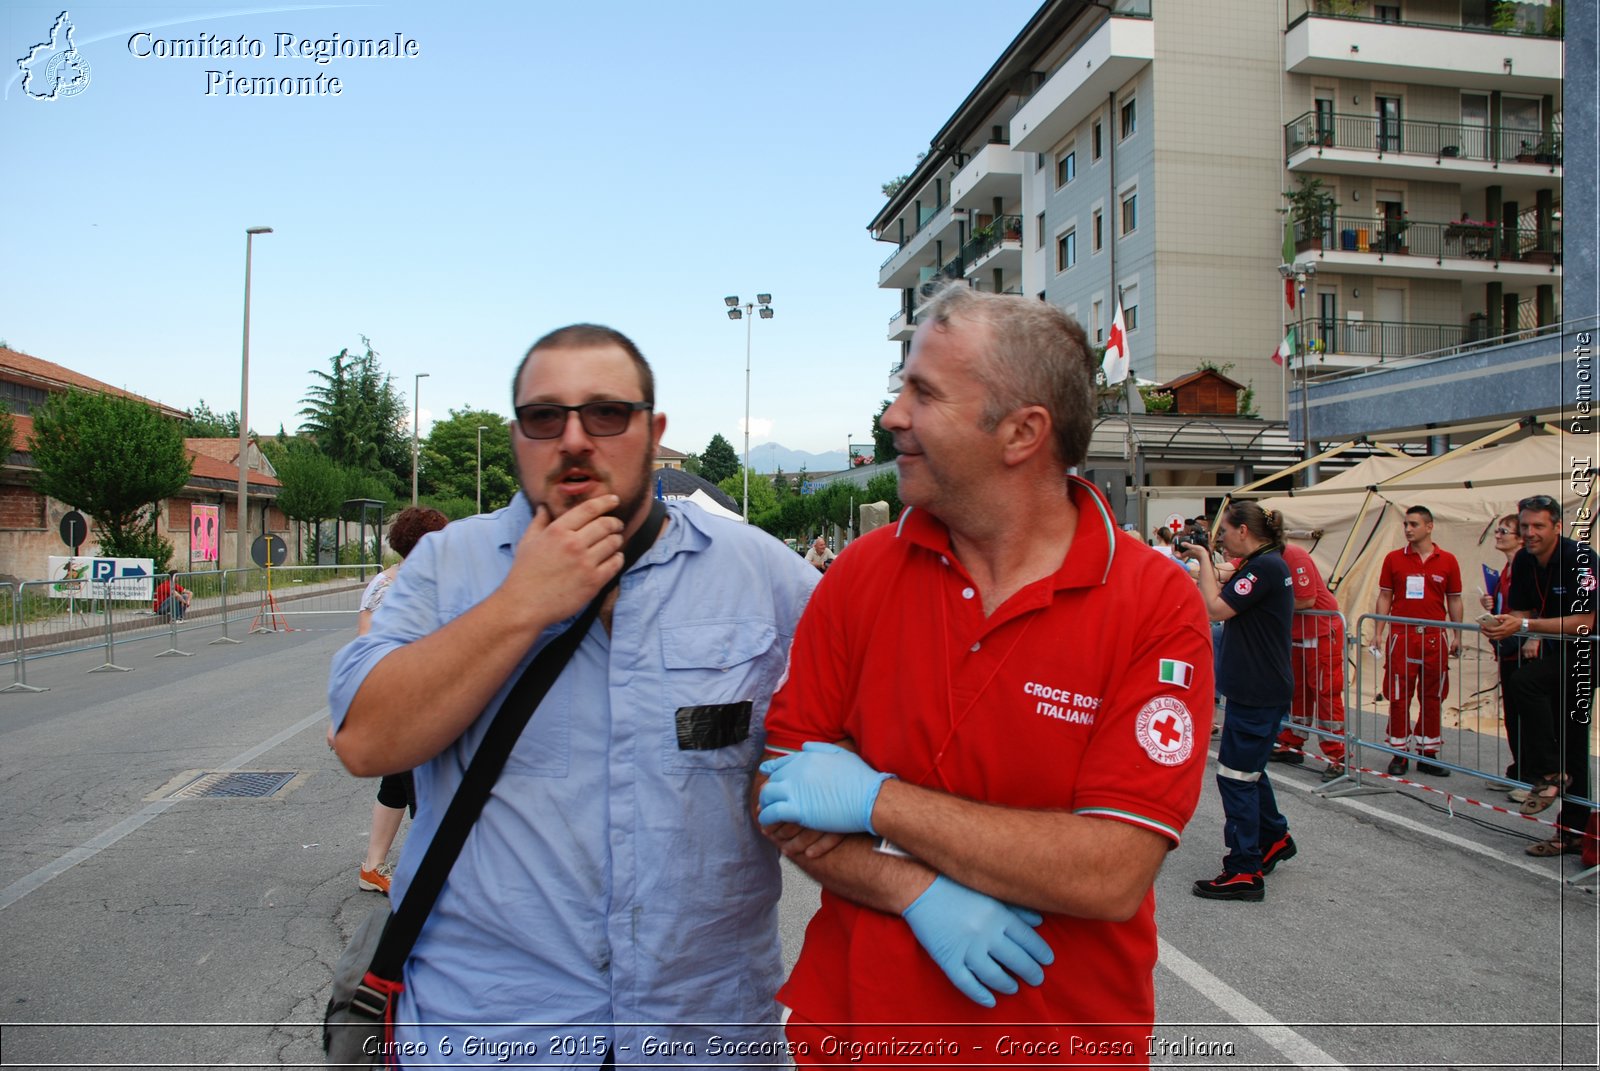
(1088, 560)
(687, 531)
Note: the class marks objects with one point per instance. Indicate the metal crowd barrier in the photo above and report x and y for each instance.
(48, 618)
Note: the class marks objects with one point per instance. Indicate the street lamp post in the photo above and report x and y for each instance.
(243, 506)
(748, 314)
(849, 459)
(481, 429)
(416, 412)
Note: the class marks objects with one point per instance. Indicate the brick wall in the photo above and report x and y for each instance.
(21, 508)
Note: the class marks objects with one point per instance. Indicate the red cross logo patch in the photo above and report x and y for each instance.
(1166, 731)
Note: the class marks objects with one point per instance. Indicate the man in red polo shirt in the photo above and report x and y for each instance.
(1421, 581)
(1317, 654)
(992, 730)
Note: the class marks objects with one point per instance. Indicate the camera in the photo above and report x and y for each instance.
(1197, 536)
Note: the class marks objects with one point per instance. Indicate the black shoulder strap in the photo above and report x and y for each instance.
(490, 758)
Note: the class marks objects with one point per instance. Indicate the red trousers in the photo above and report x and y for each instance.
(1318, 698)
(1418, 664)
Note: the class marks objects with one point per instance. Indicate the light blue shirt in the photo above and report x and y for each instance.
(615, 884)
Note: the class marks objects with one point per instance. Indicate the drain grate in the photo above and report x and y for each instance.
(253, 785)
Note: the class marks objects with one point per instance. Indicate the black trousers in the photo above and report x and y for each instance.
(1553, 697)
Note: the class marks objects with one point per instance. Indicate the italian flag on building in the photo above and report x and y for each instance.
(1175, 672)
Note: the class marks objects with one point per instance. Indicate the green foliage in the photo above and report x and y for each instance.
(449, 460)
(115, 459)
(8, 433)
(1156, 400)
(1310, 205)
(313, 485)
(763, 498)
(203, 423)
(885, 487)
(453, 507)
(356, 416)
(691, 464)
(882, 439)
(894, 185)
(718, 461)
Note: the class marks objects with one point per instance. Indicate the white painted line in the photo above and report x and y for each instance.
(96, 844)
(1253, 1017)
(1417, 827)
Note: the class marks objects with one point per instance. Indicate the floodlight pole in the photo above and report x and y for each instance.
(748, 313)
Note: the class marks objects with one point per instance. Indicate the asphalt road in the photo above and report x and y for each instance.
(137, 931)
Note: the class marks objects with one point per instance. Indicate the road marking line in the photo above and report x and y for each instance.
(1251, 1016)
(98, 843)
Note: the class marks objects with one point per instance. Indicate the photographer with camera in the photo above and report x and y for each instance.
(1256, 607)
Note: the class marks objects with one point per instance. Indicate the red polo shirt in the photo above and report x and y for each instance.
(1417, 585)
(1087, 691)
(1308, 583)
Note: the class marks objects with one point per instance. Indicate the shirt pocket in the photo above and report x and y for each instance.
(717, 680)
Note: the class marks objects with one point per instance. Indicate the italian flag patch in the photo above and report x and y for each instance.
(1175, 672)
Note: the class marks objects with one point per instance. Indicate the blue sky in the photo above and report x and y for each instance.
(536, 164)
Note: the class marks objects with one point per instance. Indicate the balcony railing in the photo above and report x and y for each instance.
(927, 218)
(1468, 239)
(1383, 339)
(990, 236)
(1465, 141)
(1528, 19)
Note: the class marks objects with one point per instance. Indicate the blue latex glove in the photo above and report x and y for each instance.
(975, 938)
(821, 787)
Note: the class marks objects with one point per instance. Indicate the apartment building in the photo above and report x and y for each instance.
(1141, 149)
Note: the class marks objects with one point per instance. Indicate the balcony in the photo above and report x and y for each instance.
(1106, 61)
(1346, 345)
(1468, 250)
(902, 325)
(997, 244)
(901, 268)
(994, 171)
(1519, 59)
(1472, 155)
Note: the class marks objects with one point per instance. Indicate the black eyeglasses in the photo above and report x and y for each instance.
(546, 420)
(1505, 531)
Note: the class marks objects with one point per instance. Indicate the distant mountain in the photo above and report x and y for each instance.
(769, 457)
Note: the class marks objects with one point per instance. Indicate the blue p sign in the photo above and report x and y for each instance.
(103, 571)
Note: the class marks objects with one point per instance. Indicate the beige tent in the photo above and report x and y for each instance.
(1359, 511)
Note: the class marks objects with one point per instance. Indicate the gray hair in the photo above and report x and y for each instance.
(1035, 355)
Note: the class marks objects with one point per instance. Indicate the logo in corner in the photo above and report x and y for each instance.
(54, 69)
(1166, 731)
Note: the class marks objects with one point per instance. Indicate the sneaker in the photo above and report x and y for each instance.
(1334, 771)
(1281, 849)
(1248, 887)
(375, 880)
(1519, 795)
(1398, 766)
(1283, 754)
(1431, 768)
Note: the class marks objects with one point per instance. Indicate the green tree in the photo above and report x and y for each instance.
(8, 432)
(882, 439)
(718, 461)
(313, 486)
(885, 487)
(203, 423)
(115, 459)
(357, 417)
(449, 461)
(763, 499)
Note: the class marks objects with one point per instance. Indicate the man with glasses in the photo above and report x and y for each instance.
(993, 728)
(614, 886)
(1551, 611)
(1422, 581)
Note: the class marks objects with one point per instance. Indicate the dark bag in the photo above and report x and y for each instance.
(359, 1022)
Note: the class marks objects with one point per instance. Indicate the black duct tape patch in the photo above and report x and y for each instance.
(710, 727)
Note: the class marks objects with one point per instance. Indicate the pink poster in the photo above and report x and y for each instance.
(204, 533)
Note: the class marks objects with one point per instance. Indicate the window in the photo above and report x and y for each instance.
(1066, 168)
(1067, 250)
(1130, 317)
(1098, 139)
(1099, 231)
(1094, 324)
(1038, 161)
(1130, 212)
(1130, 117)
(1039, 230)
(1387, 12)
